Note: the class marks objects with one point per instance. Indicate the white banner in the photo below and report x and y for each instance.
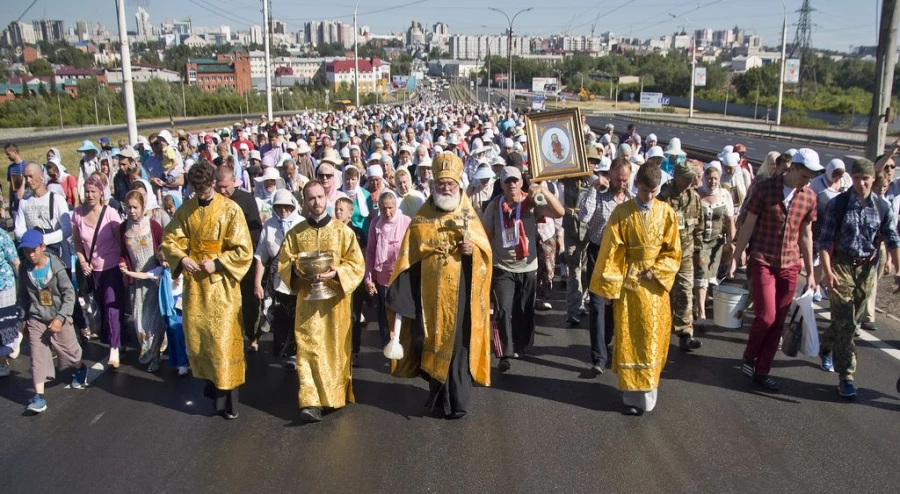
(792, 71)
(700, 76)
(651, 101)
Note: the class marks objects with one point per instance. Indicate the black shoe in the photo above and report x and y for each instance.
(749, 367)
(573, 321)
(687, 343)
(309, 415)
(898, 385)
(230, 415)
(504, 365)
(455, 415)
(766, 382)
(633, 411)
(869, 326)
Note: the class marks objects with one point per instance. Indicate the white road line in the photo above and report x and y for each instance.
(824, 313)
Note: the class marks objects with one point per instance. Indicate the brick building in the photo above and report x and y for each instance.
(230, 71)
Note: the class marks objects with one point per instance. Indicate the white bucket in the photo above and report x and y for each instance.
(729, 302)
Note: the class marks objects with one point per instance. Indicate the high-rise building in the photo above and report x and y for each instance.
(256, 35)
(21, 33)
(48, 30)
(183, 28)
(142, 19)
(441, 29)
(415, 35)
(82, 30)
(279, 27)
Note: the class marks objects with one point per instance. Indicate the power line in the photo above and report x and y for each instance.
(26, 10)
(241, 22)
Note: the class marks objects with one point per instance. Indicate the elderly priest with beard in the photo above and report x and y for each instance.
(441, 288)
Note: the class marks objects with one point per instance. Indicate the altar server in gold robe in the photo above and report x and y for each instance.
(209, 242)
(639, 257)
(322, 327)
(441, 287)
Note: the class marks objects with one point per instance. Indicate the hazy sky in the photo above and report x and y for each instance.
(838, 24)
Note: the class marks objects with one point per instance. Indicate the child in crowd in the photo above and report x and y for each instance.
(168, 204)
(47, 298)
(343, 212)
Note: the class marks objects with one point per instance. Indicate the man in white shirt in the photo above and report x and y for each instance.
(46, 212)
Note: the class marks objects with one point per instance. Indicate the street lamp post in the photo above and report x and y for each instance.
(693, 61)
(268, 61)
(783, 64)
(127, 85)
(509, 99)
(356, 54)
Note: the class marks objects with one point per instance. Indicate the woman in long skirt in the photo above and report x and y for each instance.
(10, 338)
(140, 263)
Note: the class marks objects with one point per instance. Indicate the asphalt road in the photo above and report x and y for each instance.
(547, 425)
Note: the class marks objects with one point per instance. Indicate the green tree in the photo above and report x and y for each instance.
(40, 68)
(330, 49)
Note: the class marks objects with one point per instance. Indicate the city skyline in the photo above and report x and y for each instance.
(471, 17)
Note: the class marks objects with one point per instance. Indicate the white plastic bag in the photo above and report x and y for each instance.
(809, 344)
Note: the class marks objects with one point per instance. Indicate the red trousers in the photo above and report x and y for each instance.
(773, 292)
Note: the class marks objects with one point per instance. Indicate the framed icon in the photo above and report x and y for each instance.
(555, 145)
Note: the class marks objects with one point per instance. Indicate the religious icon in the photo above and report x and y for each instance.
(555, 145)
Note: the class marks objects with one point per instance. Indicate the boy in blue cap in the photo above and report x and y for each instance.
(46, 297)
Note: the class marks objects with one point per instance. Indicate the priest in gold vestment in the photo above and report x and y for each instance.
(209, 242)
(441, 287)
(322, 327)
(639, 257)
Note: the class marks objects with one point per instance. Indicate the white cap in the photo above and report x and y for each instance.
(637, 159)
(244, 146)
(254, 155)
(604, 165)
(655, 152)
(508, 143)
(808, 158)
(651, 138)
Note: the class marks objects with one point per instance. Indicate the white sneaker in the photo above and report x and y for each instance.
(290, 363)
(16, 346)
(4, 370)
(545, 305)
(182, 370)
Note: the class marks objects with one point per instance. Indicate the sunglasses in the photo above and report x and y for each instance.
(326, 175)
(890, 167)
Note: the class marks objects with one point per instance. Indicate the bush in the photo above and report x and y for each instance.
(800, 119)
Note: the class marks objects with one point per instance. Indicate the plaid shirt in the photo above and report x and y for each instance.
(776, 238)
(595, 210)
(861, 229)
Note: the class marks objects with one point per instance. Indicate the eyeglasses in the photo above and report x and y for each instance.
(890, 167)
(326, 175)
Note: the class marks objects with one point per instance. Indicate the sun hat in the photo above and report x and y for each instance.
(484, 171)
(88, 145)
(655, 152)
(283, 197)
(674, 147)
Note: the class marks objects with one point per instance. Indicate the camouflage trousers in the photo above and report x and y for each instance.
(546, 267)
(681, 298)
(848, 301)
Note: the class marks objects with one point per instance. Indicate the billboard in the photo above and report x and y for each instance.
(651, 101)
(537, 103)
(700, 76)
(400, 80)
(545, 85)
(792, 71)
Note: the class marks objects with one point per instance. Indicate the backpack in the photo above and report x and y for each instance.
(840, 208)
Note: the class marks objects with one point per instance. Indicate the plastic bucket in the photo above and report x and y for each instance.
(729, 303)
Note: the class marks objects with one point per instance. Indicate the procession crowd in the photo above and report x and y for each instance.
(191, 245)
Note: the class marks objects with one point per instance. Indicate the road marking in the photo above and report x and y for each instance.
(863, 334)
(97, 418)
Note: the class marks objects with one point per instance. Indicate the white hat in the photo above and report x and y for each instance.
(375, 157)
(484, 171)
(730, 149)
(637, 159)
(345, 153)
(453, 139)
(244, 146)
(605, 139)
(833, 165)
(425, 163)
(808, 158)
(487, 135)
(791, 152)
(651, 138)
(479, 148)
(386, 159)
(284, 157)
(655, 152)
(164, 134)
(254, 155)
(518, 147)
(674, 147)
(271, 174)
(521, 138)
(331, 156)
(610, 126)
(374, 171)
(438, 150)
(290, 145)
(508, 143)
(604, 165)
(283, 197)
(731, 160)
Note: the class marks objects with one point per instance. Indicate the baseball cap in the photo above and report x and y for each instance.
(510, 172)
(32, 239)
(809, 159)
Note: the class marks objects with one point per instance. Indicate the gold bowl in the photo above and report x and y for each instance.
(312, 264)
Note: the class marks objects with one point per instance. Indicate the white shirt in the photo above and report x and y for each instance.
(34, 212)
(270, 240)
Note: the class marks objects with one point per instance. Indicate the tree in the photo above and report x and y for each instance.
(40, 68)
(330, 49)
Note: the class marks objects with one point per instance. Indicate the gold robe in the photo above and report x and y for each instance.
(633, 242)
(431, 240)
(212, 302)
(322, 327)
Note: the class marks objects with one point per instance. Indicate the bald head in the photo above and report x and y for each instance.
(34, 178)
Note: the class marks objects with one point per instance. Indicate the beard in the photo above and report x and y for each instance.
(447, 201)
